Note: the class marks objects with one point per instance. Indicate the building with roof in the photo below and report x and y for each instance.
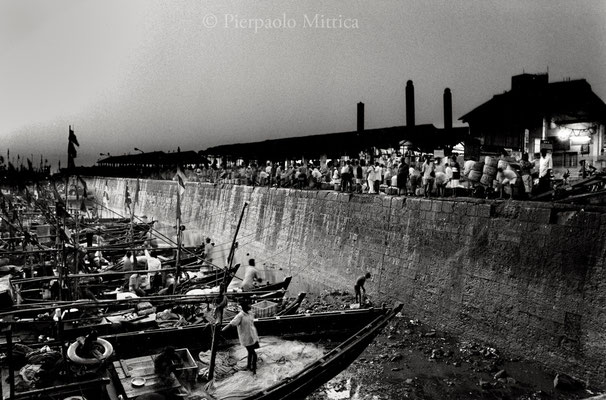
(565, 117)
(154, 159)
(423, 138)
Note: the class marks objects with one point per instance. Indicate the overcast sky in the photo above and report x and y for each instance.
(161, 74)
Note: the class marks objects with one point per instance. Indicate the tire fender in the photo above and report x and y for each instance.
(107, 351)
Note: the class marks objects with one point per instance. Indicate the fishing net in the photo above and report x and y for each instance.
(278, 360)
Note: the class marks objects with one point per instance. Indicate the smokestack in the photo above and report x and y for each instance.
(360, 117)
(410, 104)
(447, 109)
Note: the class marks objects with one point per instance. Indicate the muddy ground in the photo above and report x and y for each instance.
(410, 360)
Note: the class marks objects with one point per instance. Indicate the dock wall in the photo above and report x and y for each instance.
(528, 278)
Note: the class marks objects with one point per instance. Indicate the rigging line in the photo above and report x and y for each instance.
(166, 238)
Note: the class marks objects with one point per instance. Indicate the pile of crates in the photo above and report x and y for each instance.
(265, 309)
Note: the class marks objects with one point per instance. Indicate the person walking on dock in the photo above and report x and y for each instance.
(359, 288)
(247, 333)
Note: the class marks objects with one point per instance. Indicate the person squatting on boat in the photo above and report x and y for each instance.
(250, 276)
(247, 333)
(359, 288)
(135, 284)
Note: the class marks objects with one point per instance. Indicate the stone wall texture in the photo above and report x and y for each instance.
(528, 278)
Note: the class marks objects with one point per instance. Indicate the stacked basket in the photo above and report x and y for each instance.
(476, 172)
(489, 171)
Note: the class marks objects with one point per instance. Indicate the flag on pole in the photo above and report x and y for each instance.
(106, 192)
(84, 187)
(179, 177)
(71, 148)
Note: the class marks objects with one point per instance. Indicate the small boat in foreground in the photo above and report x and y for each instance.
(345, 334)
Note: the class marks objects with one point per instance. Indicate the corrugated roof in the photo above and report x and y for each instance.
(156, 158)
(425, 137)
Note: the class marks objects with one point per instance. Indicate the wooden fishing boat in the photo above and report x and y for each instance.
(35, 320)
(349, 331)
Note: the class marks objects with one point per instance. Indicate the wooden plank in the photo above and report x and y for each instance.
(124, 369)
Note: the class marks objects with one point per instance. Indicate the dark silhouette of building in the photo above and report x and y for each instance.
(566, 117)
(425, 138)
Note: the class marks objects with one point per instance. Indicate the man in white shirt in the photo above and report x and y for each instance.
(545, 167)
(250, 276)
(153, 264)
(317, 176)
(208, 250)
(370, 178)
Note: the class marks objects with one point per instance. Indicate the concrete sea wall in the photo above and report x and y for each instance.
(527, 277)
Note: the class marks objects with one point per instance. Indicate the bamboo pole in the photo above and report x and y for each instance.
(217, 327)
(60, 388)
(180, 299)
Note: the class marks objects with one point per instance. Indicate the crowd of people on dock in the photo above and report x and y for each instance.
(421, 175)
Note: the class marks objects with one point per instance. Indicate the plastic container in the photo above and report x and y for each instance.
(189, 370)
(264, 309)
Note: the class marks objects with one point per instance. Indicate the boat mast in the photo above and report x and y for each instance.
(179, 237)
(218, 324)
(76, 242)
(232, 250)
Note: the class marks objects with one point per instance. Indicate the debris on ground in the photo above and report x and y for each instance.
(410, 360)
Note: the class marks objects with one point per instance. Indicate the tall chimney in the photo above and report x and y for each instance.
(447, 109)
(360, 117)
(410, 104)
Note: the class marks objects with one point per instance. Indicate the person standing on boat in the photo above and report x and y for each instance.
(153, 264)
(208, 250)
(250, 276)
(128, 263)
(247, 333)
(359, 288)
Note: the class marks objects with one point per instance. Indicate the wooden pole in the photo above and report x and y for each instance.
(216, 328)
(9, 355)
(213, 347)
(232, 250)
(38, 393)
(178, 255)
(75, 294)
